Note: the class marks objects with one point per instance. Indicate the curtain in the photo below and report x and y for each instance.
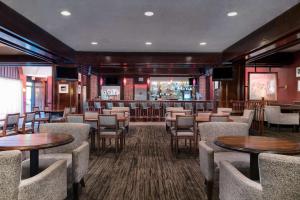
(11, 96)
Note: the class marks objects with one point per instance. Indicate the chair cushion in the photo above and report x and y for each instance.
(109, 132)
(187, 132)
(240, 160)
(45, 160)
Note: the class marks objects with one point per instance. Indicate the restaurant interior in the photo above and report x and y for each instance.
(150, 99)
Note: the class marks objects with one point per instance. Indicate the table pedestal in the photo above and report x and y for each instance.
(34, 162)
(254, 171)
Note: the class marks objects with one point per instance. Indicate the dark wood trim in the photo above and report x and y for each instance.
(30, 38)
(283, 25)
(17, 60)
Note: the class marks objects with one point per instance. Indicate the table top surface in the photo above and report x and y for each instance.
(34, 141)
(259, 144)
(95, 120)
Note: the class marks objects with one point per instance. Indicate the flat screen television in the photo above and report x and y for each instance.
(66, 73)
(112, 80)
(222, 73)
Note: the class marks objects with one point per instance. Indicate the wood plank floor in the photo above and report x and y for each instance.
(146, 169)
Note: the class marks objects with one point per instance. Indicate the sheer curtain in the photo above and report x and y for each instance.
(11, 96)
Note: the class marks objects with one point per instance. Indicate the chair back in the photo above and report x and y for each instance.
(29, 119)
(109, 105)
(200, 106)
(75, 118)
(273, 114)
(209, 106)
(177, 105)
(185, 122)
(249, 116)
(35, 109)
(174, 114)
(91, 115)
(279, 176)
(97, 105)
(144, 105)
(219, 118)
(209, 131)
(73, 110)
(67, 111)
(106, 111)
(156, 105)
(121, 104)
(11, 123)
(10, 173)
(79, 131)
(189, 106)
(107, 121)
(132, 105)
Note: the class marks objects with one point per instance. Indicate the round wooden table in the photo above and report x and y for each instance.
(32, 143)
(258, 144)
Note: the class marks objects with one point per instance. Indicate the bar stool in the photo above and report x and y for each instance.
(189, 106)
(135, 109)
(121, 104)
(145, 110)
(109, 105)
(200, 106)
(165, 105)
(156, 108)
(177, 104)
(97, 106)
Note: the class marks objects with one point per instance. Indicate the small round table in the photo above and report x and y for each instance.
(32, 143)
(258, 144)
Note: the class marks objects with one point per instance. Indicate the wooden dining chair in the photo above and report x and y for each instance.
(108, 128)
(28, 123)
(11, 124)
(39, 118)
(75, 118)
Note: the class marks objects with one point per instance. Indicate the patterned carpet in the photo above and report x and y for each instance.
(146, 168)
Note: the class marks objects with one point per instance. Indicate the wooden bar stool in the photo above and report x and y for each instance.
(145, 110)
(156, 109)
(134, 109)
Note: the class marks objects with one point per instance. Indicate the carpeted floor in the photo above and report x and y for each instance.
(146, 168)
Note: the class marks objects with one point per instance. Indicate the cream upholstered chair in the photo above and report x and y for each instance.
(274, 116)
(49, 184)
(76, 153)
(224, 110)
(184, 129)
(279, 179)
(210, 155)
(248, 116)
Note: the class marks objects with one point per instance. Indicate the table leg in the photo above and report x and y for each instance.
(34, 162)
(254, 171)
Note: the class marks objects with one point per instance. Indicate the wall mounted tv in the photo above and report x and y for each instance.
(66, 73)
(111, 80)
(222, 73)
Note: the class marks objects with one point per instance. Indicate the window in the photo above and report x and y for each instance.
(11, 96)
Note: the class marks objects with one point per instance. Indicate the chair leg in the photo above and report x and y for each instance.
(116, 144)
(209, 189)
(75, 190)
(82, 183)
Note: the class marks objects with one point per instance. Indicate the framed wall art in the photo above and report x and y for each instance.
(262, 85)
(63, 88)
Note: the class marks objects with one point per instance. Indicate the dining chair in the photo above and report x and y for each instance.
(108, 128)
(97, 106)
(209, 106)
(28, 123)
(48, 184)
(39, 118)
(189, 106)
(200, 106)
(184, 129)
(109, 105)
(210, 154)
(279, 179)
(11, 124)
(75, 118)
(67, 111)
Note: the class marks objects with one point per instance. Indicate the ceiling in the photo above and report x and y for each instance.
(6, 50)
(294, 48)
(177, 25)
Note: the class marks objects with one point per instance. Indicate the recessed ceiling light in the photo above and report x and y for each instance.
(94, 43)
(148, 13)
(203, 43)
(65, 13)
(148, 43)
(232, 14)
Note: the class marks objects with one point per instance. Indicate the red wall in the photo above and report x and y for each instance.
(287, 81)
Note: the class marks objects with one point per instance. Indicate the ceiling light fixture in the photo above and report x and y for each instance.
(65, 13)
(203, 43)
(232, 14)
(148, 43)
(148, 13)
(94, 43)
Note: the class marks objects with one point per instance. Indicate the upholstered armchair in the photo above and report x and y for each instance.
(279, 179)
(49, 184)
(210, 155)
(274, 116)
(76, 153)
(247, 117)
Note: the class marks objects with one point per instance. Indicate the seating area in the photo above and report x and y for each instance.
(150, 100)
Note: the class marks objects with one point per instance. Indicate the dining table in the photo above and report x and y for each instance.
(254, 145)
(34, 143)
